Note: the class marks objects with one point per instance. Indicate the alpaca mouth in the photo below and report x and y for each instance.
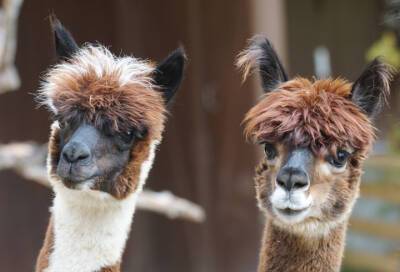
(87, 183)
(290, 212)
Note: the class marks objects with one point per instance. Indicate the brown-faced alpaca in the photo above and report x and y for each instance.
(316, 134)
(109, 116)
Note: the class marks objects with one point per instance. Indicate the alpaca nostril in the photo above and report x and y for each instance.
(280, 183)
(82, 157)
(300, 184)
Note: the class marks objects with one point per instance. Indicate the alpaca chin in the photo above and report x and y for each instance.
(86, 185)
(291, 208)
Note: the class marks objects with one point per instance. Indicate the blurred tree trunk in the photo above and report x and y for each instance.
(203, 156)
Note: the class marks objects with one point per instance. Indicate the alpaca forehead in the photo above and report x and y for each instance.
(94, 69)
(99, 87)
(318, 114)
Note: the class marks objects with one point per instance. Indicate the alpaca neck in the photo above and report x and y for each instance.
(88, 237)
(285, 251)
(88, 229)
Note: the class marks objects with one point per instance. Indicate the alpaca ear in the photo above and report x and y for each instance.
(260, 55)
(371, 89)
(64, 42)
(169, 73)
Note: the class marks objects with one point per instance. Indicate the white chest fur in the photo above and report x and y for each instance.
(91, 227)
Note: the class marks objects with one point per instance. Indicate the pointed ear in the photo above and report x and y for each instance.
(372, 88)
(169, 73)
(261, 56)
(64, 42)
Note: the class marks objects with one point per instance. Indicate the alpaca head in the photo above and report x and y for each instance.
(316, 134)
(109, 114)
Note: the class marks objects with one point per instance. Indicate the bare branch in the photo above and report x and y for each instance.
(28, 159)
(171, 206)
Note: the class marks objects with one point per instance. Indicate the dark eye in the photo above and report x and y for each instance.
(127, 136)
(270, 151)
(62, 124)
(340, 159)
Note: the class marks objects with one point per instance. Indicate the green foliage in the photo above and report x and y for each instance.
(386, 47)
(394, 138)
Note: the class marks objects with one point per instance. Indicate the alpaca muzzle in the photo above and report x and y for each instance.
(76, 160)
(291, 199)
(294, 173)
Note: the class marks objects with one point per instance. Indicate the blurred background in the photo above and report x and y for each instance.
(204, 157)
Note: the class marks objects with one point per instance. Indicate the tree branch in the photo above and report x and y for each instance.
(28, 159)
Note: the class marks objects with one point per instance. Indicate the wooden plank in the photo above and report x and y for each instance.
(383, 161)
(383, 230)
(371, 262)
(386, 191)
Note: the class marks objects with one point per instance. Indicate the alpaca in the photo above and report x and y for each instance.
(316, 135)
(109, 114)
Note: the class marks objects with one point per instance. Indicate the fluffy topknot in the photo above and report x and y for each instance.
(318, 114)
(111, 92)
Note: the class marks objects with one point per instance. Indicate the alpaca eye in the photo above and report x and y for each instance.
(62, 124)
(270, 151)
(141, 133)
(340, 159)
(127, 136)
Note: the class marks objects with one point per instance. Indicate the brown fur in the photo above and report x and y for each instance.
(44, 254)
(111, 105)
(115, 268)
(317, 114)
(284, 251)
(324, 116)
(108, 104)
(296, 247)
(334, 194)
(104, 101)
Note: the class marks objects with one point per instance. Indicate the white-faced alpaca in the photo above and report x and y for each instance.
(316, 135)
(109, 117)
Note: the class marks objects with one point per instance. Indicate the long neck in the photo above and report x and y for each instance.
(88, 238)
(284, 251)
(88, 229)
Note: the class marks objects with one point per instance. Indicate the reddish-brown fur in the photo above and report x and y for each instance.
(318, 115)
(45, 251)
(330, 118)
(105, 102)
(306, 113)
